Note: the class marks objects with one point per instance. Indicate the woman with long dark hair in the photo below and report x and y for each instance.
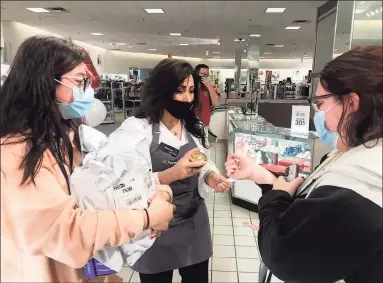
(168, 127)
(330, 226)
(45, 237)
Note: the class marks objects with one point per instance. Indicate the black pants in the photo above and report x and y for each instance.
(197, 273)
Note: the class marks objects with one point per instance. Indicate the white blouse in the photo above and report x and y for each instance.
(139, 131)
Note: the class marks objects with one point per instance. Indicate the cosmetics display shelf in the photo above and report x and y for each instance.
(273, 147)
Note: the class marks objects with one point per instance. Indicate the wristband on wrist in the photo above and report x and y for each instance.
(147, 218)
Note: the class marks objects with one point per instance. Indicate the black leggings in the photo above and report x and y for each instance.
(197, 273)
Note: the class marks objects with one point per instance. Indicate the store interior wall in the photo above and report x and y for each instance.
(15, 33)
(2, 44)
(119, 62)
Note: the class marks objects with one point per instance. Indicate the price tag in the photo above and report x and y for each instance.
(300, 118)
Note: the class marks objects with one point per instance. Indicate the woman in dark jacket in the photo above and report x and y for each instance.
(329, 227)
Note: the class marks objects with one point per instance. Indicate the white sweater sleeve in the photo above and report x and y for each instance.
(204, 189)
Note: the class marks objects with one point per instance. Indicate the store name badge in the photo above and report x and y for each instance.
(300, 119)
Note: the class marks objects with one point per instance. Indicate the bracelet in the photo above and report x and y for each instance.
(208, 173)
(147, 217)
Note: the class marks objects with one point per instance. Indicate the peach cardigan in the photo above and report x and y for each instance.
(44, 236)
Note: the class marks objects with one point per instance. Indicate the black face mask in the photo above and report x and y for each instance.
(180, 110)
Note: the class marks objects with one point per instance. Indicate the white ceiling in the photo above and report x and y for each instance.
(201, 23)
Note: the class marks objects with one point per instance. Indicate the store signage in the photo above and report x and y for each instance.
(300, 118)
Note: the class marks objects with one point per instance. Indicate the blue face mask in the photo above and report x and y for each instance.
(327, 137)
(81, 105)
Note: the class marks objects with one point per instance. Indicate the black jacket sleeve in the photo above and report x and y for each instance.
(327, 237)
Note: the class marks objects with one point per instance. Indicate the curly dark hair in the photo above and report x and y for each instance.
(164, 81)
(357, 71)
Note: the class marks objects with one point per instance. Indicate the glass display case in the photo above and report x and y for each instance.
(273, 147)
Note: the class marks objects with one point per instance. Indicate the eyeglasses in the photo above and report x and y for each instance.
(83, 82)
(316, 99)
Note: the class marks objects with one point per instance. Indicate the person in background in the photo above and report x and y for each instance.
(45, 237)
(329, 227)
(207, 95)
(174, 134)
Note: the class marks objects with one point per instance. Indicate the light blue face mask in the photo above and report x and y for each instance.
(81, 105)
(327, 137)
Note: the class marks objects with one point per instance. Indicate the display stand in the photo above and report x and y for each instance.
(272, 147)
(131, 101)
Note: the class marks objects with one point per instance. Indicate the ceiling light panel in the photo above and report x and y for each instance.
(37, 10)
(184, 44)
(152, 49)
(278, 45)
(96, 33)
(293, 27)
(154, 11)
(275, 10)
(174, 34)
(255, 35)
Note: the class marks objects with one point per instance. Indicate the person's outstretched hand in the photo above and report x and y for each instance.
(218, 183)
(240, 167)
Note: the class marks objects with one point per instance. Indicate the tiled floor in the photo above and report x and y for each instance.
(235, 252)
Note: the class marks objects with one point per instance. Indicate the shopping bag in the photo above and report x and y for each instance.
(113, 177)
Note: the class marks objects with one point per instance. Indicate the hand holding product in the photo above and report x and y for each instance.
(187, 167)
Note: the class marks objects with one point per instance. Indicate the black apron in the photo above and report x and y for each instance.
(188, 239)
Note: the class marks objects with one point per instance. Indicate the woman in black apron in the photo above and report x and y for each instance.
(176, 133)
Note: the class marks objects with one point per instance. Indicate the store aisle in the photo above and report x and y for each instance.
(234, 234)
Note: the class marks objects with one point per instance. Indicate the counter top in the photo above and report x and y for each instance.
(292, 101)
(244, 99)
(256, 124)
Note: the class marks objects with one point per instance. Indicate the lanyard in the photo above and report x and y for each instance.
(61, 165)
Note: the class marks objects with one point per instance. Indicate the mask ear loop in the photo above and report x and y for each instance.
(331, 107)
(66, 86)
